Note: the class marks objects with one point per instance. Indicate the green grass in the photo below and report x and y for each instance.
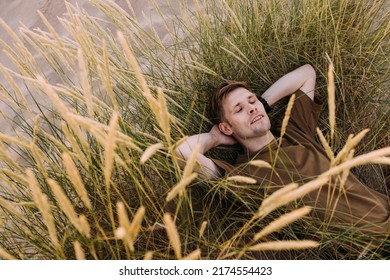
(255, 41)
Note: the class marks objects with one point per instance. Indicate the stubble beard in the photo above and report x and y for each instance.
(257, 132)
(262, 130)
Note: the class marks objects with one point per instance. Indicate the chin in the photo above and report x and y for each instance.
(261, 131)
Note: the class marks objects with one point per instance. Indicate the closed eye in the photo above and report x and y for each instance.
(252, 99)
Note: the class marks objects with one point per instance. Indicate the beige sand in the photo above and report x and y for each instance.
(22, 12)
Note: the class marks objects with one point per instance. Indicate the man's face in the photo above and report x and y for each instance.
(244, 115)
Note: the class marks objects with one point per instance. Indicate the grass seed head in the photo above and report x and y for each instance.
(79, 252)
(76, 180)
(287, 115)
(173, 235)
(284, 245)
(282, 221)
(242, 179)
(150, 151)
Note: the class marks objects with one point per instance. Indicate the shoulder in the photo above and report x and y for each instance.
(304, 103)
(305, 113)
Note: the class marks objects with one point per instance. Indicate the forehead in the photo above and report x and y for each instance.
(236, 96)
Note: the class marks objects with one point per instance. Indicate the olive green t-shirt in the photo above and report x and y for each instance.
(300, 159)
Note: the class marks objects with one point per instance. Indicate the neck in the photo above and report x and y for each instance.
(253, 145)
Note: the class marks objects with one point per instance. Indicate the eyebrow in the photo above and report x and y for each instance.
(238, 104)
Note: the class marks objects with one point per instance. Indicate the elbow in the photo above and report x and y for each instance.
(181, 159)
(310, 71)
(178, 152)
(182, 151)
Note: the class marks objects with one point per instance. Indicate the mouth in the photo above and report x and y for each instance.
(257, 118)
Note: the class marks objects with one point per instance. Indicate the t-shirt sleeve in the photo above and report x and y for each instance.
(224, 166)
(304, 114)
(229, 169)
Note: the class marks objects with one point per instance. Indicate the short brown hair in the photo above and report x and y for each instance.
(216, 109)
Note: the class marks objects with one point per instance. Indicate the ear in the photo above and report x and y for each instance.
(225, 128)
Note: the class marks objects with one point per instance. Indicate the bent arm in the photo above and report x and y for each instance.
(206, 141)
(303, 78)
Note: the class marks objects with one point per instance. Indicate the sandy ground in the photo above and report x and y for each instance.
(18, 12)
(24, 12)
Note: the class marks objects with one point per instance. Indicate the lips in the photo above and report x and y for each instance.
(257, 118)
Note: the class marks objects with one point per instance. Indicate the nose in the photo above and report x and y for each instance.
(251, 109)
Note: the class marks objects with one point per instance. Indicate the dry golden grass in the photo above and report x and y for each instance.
(277, 198)
(78, 251)
(287, 115)
(180, 187)
(195, 255)
(191, 162)
(282, 221)
(128, 231)
(331, 100)
(110, 148)
(173, 235)
(148, 255)
(43, 205)
(284, 245)
(325, 145)
(76, 180)
(150, 151)
(5, 255)
(84, 76)
(80, 223)
(10, 208)
(98, 145)
(135, 225)
(202, 228)
(260, 163)
(242, 179)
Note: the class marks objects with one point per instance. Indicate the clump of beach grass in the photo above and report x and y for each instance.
(88, 170)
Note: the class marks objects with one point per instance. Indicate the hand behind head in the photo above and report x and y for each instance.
(221, 138)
